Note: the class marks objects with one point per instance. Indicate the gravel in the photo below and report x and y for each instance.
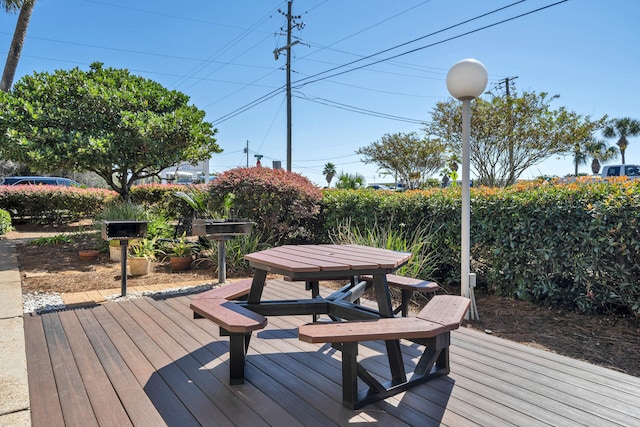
(40, 302)
(44, 302)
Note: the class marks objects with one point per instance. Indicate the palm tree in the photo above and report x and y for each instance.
(26, 8)
(11, 6)
(579, 157)
(599, 151)
(329, 172)
(622, 128)
(347, 181)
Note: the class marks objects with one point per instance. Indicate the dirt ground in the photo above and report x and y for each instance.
(609, 341)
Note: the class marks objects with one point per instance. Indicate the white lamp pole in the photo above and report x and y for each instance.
(466, 80)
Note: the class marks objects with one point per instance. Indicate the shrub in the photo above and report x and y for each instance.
(161, 198)
(50, 203)
(284, 205)
(573, 245)
(422, 264)
(398, 211)
(5, 221)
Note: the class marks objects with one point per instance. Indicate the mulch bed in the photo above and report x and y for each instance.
(609, 341)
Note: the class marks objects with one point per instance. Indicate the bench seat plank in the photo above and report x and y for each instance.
(369, 330)
(407, 286)
(447, 310)
(230, 291)
(431, 328)
(408, 283)
(228, 315)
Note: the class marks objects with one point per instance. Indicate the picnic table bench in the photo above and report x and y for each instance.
(408, 286)
(235, 321)
(431, 328)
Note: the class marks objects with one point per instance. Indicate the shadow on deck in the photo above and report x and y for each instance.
(147, 362)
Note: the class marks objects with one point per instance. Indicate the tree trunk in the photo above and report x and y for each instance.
(16, 45)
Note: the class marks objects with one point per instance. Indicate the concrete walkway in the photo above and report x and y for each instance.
(14, 387)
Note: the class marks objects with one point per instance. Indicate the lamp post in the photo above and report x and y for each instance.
(466, 80)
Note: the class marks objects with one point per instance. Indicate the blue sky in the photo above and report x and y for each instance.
(221, 54)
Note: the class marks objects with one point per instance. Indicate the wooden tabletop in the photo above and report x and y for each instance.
(298, 260)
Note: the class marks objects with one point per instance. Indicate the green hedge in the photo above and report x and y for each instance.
(161, 198)
(49, 203)
(572, 245)
(5, 221)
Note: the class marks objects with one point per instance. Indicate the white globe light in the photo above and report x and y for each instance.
(467, 79)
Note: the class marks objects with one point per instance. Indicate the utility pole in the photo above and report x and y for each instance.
(506, 82)
(246, 151)
(291, 24)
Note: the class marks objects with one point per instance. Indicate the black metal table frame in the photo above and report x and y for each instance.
(339, 305)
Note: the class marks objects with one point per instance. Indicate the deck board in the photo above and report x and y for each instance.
(148, 362)
(43, 394)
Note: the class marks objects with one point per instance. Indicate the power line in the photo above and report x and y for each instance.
(154, 12)
(138, 52)
(359, 110)
(404, 44)
(426, 46)
(305, 82)
(248, 106)
(367, 28)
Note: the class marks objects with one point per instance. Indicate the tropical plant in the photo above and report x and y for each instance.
(5, 222)
(329, 172)
(122, 127)
(19, 34)
(58, 239)
(120, 210)
(622, 129)
(198, 200)
(423, 262)
(235, 250)
(143, 248)
(181, 248)
(227, 204)
(347, 181)
(599, 152)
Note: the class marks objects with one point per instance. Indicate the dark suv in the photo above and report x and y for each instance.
(39, 180)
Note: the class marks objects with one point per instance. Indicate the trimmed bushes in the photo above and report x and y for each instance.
(573, 245)
(161, 198)
(50, 203)
(284, 205)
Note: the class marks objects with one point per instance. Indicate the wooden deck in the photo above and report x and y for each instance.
(147, 362)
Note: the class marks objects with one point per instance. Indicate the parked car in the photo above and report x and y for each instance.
(378, 187)
(631, 171)
(39, 180)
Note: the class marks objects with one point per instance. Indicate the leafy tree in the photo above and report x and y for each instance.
(406, 156)
(19, 34)
(599, 151)
(621, 129)
(329, 172)
(347, 181)
(120, 126)
(509, 135)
